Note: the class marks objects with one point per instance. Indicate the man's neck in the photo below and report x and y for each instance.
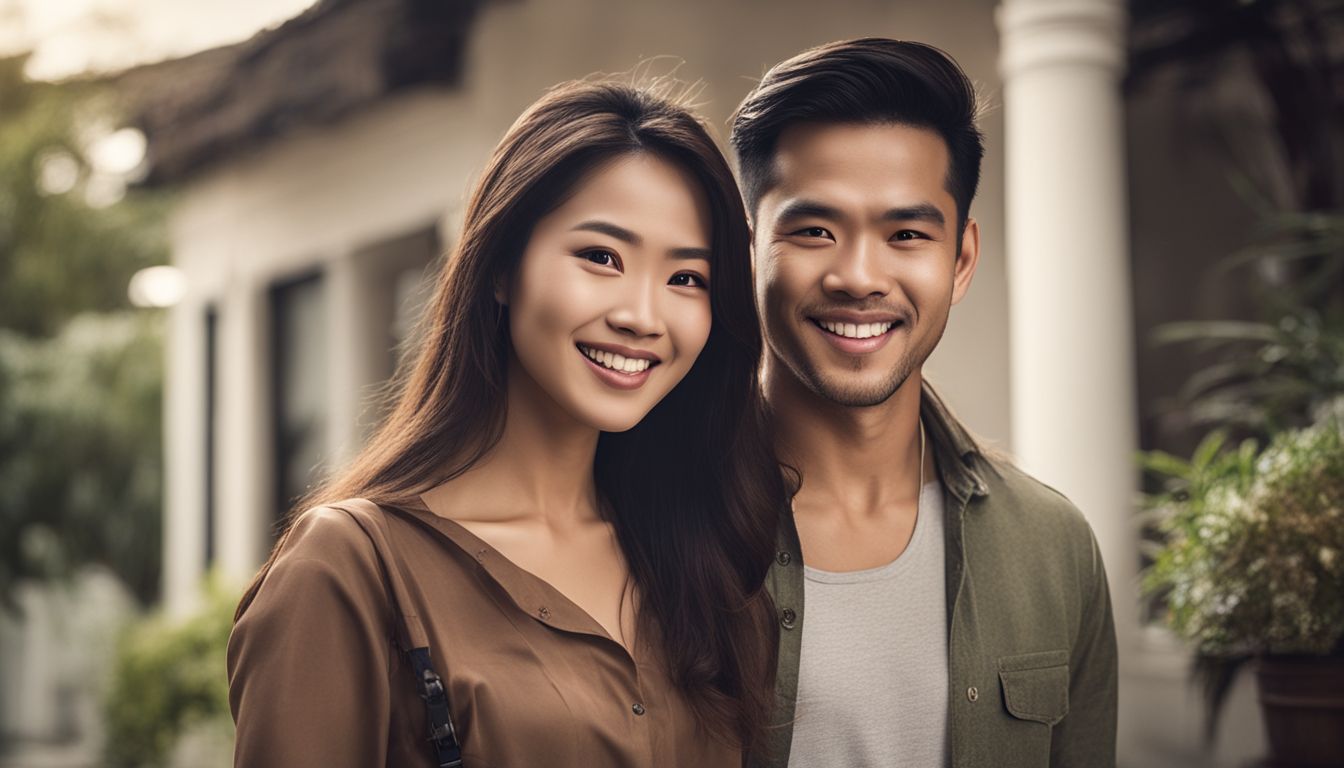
(854, 460)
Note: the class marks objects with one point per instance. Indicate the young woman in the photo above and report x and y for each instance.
(568, 516)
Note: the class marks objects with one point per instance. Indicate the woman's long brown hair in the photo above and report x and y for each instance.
(693, 491)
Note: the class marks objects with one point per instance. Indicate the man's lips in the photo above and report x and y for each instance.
(856, 338)
(856, 328)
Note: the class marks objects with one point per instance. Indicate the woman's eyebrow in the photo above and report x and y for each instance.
(689, 253)
(609, 229)
(626, 236)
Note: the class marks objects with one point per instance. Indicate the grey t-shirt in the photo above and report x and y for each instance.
(872, 682)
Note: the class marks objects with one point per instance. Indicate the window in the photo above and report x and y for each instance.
(211, 392)
(298, 386)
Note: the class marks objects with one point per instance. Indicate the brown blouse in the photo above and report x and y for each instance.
(318, 676)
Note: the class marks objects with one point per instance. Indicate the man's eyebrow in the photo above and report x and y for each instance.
(921, 212)
(609, 229)
(801, 209)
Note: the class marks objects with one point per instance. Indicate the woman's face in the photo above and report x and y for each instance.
(610, 304)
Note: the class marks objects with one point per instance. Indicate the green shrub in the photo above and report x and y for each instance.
(1253, 557)
(168, 677)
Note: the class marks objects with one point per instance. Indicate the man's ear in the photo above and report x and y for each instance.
(967, 260)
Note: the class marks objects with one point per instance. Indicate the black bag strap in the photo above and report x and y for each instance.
(447, 753)
(429, 685)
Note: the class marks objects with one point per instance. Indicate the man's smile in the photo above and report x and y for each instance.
(856, 338)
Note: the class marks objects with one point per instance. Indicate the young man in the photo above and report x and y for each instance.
(957, 612)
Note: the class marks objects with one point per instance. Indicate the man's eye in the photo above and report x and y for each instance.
(600, 257)
(688, 279)
(909, 234)
(814, 232)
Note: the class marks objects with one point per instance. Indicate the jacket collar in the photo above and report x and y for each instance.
(957, 452)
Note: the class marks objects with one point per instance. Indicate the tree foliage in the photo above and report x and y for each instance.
(167, 679)
(80, 370)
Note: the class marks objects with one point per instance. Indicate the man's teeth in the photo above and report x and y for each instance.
(856, 331)
(614, 361)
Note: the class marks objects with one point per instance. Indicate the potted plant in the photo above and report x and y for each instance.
(1251, 567)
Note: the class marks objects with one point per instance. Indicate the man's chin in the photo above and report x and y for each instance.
(852, 392)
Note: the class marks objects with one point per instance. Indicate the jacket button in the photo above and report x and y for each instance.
(973, 693)
(638, 709)
(783, 558)
(787, 618)
(544, 613)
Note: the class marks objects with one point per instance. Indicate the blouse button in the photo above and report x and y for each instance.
(783, 558)
(787, 618)
(638, 709)
(973, 693)
(544, 612)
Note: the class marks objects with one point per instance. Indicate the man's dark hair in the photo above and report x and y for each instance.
(870, 80)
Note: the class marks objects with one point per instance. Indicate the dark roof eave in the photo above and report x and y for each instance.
(336, 57)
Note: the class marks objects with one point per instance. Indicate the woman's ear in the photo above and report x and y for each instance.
(502, 290)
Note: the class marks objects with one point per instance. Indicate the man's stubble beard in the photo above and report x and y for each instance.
(836, 390)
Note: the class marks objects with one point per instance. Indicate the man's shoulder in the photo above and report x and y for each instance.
(1018, 500)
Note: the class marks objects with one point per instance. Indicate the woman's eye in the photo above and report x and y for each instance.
(600, 257)
(688, 279)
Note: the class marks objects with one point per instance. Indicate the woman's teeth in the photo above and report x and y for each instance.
(614, 361)
(856, 331)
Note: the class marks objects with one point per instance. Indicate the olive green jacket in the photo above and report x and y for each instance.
(1031, 643)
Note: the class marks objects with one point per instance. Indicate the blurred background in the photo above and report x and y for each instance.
(218, 219)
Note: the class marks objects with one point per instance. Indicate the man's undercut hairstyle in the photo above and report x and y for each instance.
(870, 80)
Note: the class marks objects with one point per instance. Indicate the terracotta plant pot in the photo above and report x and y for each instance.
(1302, 698)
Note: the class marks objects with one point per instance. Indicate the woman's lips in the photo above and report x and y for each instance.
(617, 379)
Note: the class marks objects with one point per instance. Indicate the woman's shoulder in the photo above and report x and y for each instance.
(318, 626)
(334, 550)
(350, 531)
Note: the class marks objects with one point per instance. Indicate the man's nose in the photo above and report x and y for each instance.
(858, 270)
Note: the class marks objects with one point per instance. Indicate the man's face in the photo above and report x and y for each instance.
(856, 254)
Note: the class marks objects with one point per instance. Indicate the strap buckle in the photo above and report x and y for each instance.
(442, 734)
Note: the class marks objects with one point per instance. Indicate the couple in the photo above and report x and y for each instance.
(588, 530)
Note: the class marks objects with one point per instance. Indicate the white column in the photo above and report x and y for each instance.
(352, 335)
(244, 472)
(184, 456)
(1073, 394)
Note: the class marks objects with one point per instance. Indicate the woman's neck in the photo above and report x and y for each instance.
(540, 471)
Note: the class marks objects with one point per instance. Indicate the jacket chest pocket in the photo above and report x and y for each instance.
(1036, 685)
